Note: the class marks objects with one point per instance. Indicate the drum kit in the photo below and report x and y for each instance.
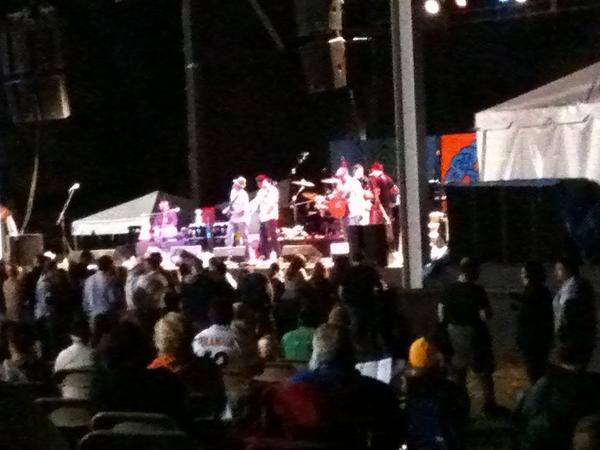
(322, 211)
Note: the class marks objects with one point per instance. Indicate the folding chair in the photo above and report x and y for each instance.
(70, 416)
(133, 422)
(114, 440)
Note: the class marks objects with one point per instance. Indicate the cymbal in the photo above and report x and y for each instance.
(331, 180)
(304, 183)
(309, 195)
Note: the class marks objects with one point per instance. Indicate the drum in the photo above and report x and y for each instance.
(338, 206)
(219, 229)
(196, 232)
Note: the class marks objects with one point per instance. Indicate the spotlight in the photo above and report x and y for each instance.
(521, 1)
(461, 3)
(432, 6)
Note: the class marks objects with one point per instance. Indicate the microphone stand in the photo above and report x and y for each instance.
(61, 221)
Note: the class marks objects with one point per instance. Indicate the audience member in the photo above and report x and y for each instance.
(465, 310)
(277, 285)
(552, 407)
(334, 403)
(172, 337)
(220, 342)
(152, 285)
(297, 344)
(23, 365)
(125, 383)
(535, 322)
(49, 311)
(80, 354)
(268, 349)
(437, 408)
(587, 433)
(101, 293)
(14, 298)
(575, 317)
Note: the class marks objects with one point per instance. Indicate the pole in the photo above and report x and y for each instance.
(192, 88)
(410, 138)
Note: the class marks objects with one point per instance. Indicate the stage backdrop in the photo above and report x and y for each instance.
(382, 150)
(459, 158)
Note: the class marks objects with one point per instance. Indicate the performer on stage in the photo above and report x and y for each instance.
(385, 192)
(238, 212)
(354, 194)
(164, 223)
(8, 228)
(266, 203)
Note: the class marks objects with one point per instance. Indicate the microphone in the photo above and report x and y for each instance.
(74, 187)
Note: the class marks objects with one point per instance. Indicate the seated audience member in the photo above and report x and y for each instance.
(277, 285)
(587, 433)
(437, 408)
(297, 344)
(126, 384)
(172, 338)
(333, 402)
(339, 316)
(322, 291)
(550, 410)
(295, 280)
(220, 342)
(79, 355)
(244, 325)
(23, 365)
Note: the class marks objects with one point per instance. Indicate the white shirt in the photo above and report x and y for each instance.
(266, 202)
(221, 343)
(355, 194)
(567, 291)
(239, 202)
(100, 294)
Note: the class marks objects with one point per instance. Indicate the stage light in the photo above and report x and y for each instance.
(461, 3)
(432, 6)
(521, 1)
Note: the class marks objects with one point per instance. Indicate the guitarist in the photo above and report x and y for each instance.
(239, 213)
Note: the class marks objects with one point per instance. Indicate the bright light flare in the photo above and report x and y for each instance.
(461, 3)
(432, 7)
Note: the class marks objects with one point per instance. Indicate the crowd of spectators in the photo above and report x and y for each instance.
(279, 355)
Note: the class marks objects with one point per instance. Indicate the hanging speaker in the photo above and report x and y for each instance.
(33, 67)
(324, 65)
(318, 17)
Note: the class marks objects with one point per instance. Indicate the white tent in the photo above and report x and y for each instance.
(550, 132)
(136, 212)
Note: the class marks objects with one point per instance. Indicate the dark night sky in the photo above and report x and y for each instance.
(127, 134)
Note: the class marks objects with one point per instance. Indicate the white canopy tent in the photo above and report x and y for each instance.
(134, 213)
(550, 132)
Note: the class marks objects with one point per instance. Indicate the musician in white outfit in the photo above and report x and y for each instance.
(238, 212)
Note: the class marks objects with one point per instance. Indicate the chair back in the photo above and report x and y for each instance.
(67, 413)
(133, 422)
(114, 440)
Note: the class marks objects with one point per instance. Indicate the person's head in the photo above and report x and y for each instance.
(274, 270)
(217, 266)
(173, 335)
(262, 180)
(40, 260)
(126, 347)
(268, 348)
(153, 261)
(239, 183)
(469, 269)
(164, 205)
(105, 263)
(339, 316)
(21, 340)
(220, 312)
(297, 263)
(533, 273)
(80, 331)
(86, 258)
(12, 271)
(319, 272)
(244, 315)
(587, 433)
(308, 317)
(566, 268)
(332, 345)
(358, 171)
(424, 355)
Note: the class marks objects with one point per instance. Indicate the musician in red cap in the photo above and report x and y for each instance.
(385, 193)
(266, 203)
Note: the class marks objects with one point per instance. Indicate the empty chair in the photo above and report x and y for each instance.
(114, 440)
(70, 416)
(133, 422)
